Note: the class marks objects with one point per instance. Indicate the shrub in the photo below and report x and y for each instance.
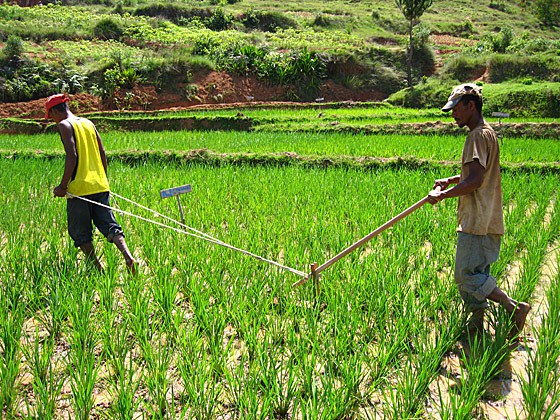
(12, 53)
(518, 99)
(241, 59)
(379, 68)
(498, 5)
(507, 67)
(462, 29)
(464, 67)
(219, 21)
(36, 80)
(420, 35)
(174, 12)
(386, 79)
(108, 28)
(24, 80)
(502, 40)
(374, 70)
(494, 42)
(119, 8)
(69, 80)
(526, 100)
(267, 21)
(205, 44)
(321, 20)
(424, 61)
(303, 69)
(548, 11)
(432, 94)
(528, 44)
(348, 66)
(173, 66)
(118, 77)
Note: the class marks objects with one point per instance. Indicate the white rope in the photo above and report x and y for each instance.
(198, 234)
(156, 213)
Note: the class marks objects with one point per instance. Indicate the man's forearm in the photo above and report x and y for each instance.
(69, 166)
(462, 188)
(454, 179)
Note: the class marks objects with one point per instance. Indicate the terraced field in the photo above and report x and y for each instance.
(207, 332)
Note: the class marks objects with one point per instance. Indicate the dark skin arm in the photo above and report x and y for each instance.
(473, 180)
(67, 136)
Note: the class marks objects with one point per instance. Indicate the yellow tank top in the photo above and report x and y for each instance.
(89, 176)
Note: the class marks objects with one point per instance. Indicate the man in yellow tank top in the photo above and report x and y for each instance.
(85, 175)
(479, 212)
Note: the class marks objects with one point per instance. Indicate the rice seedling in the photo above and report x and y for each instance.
(202, 391)
(541, 386)
(125, 377)
(300, 114)
(164, 290)
(11, 319)
(465, 397)
(157, 356)
(47, 384)
(434, 147)
(82, 364)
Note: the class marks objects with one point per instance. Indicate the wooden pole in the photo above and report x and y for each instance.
(181, 210)
(315, 276)
(362, 241)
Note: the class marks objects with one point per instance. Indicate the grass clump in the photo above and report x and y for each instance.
(463, 67)
(431, 94)
(108, 28)
(545, 67)
(176, 13)
(266, 21)
(521, 99)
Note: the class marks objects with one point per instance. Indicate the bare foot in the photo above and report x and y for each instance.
(131, 266)
(519, 317)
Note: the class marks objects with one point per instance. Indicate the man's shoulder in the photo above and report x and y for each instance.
(483, 130)
(65, 126)
(74, 120)
(487, 127)
(65, 123)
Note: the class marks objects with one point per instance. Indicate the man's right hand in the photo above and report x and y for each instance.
(435, 196)
(59, 191)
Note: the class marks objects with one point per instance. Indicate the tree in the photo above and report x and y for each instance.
(548, 11)
(412, 11)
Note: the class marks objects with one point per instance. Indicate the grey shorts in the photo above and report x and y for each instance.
(475, 254)
(81, 214)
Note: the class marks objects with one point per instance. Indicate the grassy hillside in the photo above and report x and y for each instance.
(115, 50)
(382, 18)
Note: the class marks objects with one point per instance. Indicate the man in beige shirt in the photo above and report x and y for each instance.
(479, 211)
